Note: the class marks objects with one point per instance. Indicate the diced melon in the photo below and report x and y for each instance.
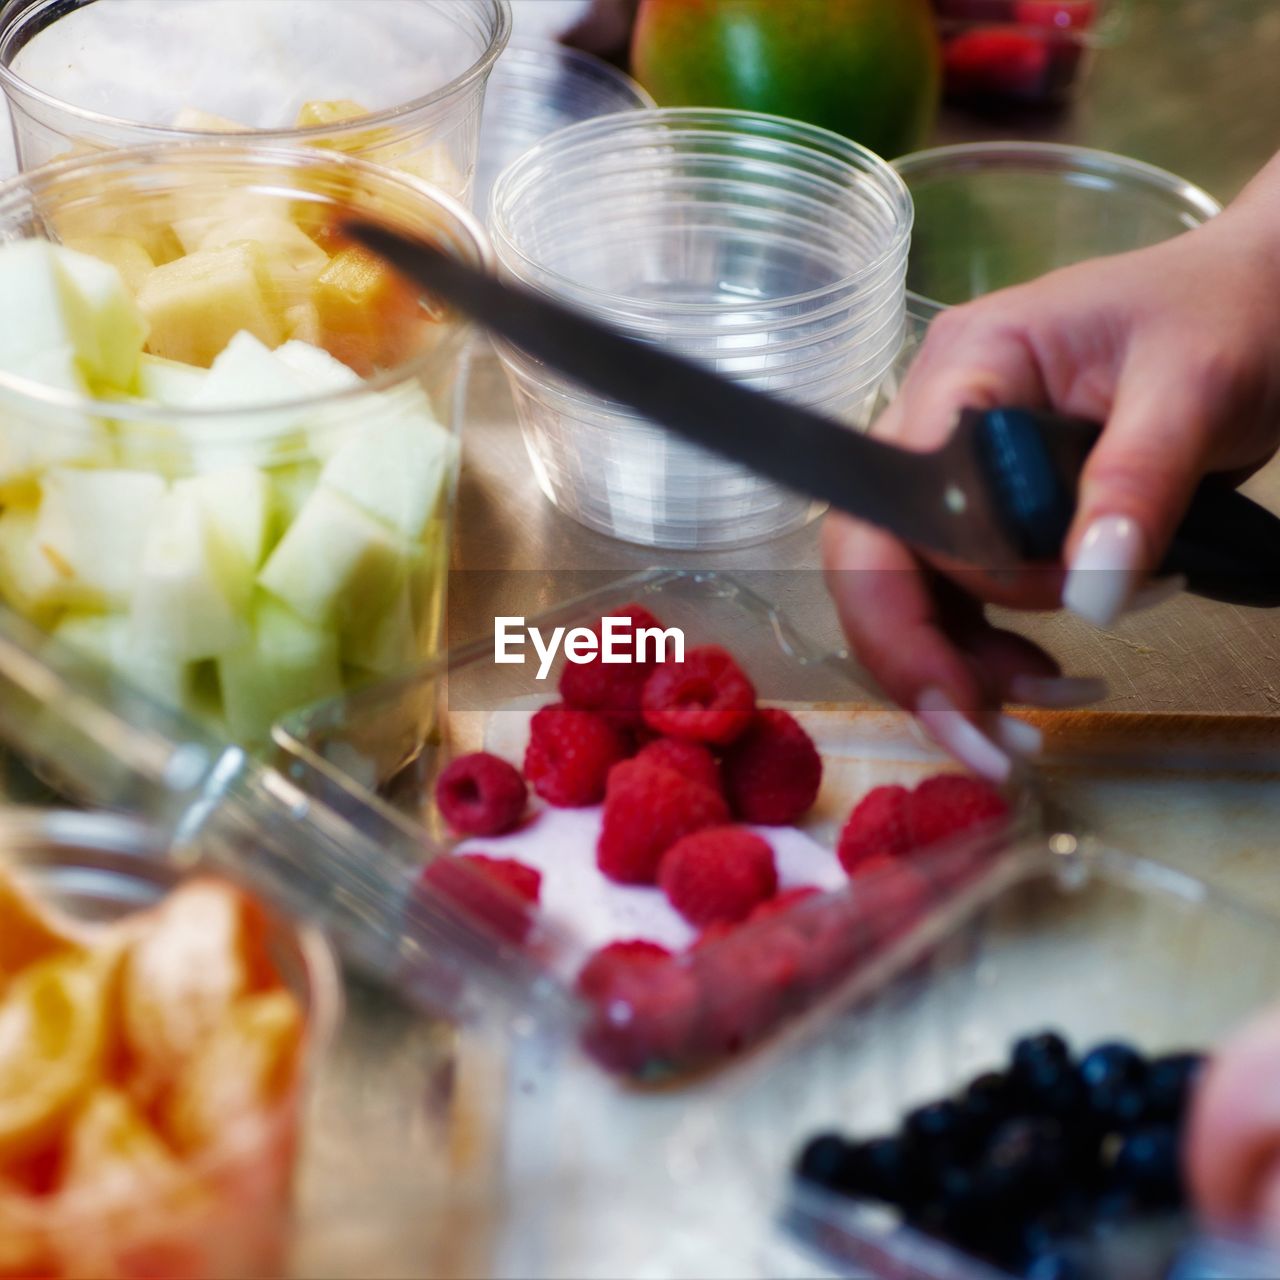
(236, 504)
(336, 563)
(285, 664)
(109, 638)
(198, 303)
(129, 256)
(320, 370)
(168, 382)
(32, 439)
(92, 526)
(395, 469)
(114, 324)
(30, 581)
(245, 374)
(36, 317)
(385, 643)
(291, 486)
(190, 591)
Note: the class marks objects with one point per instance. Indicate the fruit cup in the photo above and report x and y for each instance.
(117, 1194)
(255, 511)
(400, 82)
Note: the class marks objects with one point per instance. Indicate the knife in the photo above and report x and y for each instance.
(999, 494)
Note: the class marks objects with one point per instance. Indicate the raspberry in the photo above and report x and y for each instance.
(481, 795)
(1004, 61)
(948, 804)
(496, 892)
(646, 1006)
(718, 874)
(893, 897)
(712, 934)
(705, 698)
(772, 773)
(783, 903)
(596, 975)
(646, 810)
(570, 754)
(877, 825)
(611, 689)
(689, 759)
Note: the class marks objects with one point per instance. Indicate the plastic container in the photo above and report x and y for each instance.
(1090, 942)
(993, 214)
(538, 87)
(374, 758)
(1023, 53)
(117, 73)
(256, 454)
(772, 251)
(99, 867)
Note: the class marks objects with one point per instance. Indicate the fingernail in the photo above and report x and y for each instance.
(1056, 691)
(1156, 593)
(1105, 570)
(1017, 737)
(950, 729)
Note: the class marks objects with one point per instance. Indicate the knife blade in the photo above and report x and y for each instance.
(1000, 493)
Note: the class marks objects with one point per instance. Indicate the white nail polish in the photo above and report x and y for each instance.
(1105, 570)
(1055, 692)
(951, 730)
(1017, 737)
(1156, 593)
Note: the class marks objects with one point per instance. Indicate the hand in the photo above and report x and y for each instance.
(1177, 349)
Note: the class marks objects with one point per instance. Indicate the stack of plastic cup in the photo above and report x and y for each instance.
(773, 252)
(538, 87)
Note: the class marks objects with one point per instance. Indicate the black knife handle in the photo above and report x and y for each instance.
(1227, 546)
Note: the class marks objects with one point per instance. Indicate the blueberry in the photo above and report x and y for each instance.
(1116, 1207)
(1149, 1164)
(1026, 1161)
(1112, 1065)
(1065, 1262)
(1037, 1050)
(1169, 1083)
(1117, 1107)
(936, 1131)
(828, 1161)
(1054, 1089)
(886, 1171)
(989, 1100)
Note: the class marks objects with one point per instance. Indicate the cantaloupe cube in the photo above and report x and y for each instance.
(336, 563)
(285, 664)
(198, 303)
(92, 526)
(129, 256)
(370, 319)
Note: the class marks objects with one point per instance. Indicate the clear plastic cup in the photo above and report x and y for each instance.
(241, 540)
(773, 251)
(118, 73)
(538, 87)
(234, 1221)
(993, 214)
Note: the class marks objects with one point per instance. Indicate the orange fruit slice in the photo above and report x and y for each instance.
(201, 950)
(28, 931)
(246, 1068)
(53, 1043)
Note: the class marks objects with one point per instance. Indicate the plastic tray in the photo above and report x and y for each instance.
(373, 758)
(1091, 942)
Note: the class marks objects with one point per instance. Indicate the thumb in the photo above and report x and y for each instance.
(1136, 486)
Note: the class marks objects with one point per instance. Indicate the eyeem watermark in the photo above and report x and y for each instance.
(618, 640)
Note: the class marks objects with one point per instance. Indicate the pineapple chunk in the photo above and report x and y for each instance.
(334, 111)
(129, 256)
(196, 121)
(196, 305)
(369, 318)
(302, 323)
